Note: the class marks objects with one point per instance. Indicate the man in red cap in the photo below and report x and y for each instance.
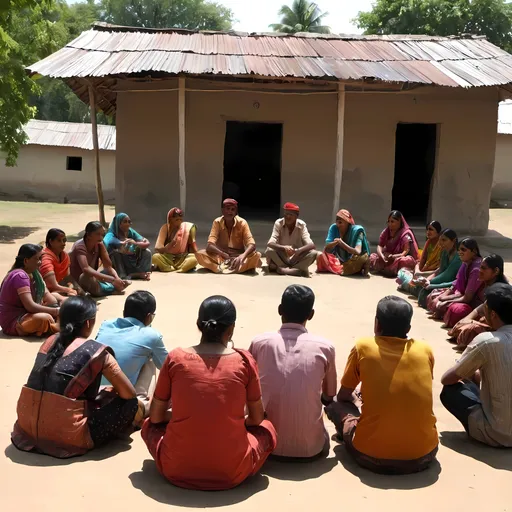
(290, 250)
(231, 247)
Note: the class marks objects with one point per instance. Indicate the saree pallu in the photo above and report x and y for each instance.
(465, 334)
(433, 260)
(178, 257)
(51, 263)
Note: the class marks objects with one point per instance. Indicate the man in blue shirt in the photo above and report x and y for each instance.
(138, 347)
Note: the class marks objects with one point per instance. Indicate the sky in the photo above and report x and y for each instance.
(256, 15)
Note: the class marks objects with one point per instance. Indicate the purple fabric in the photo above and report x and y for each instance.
(11, 307)
(467, 278)
(455, 313)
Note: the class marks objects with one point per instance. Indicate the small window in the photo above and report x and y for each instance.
(74, 163)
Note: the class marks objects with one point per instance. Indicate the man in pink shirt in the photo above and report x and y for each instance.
(298, 373)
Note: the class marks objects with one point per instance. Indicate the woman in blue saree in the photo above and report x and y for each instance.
(347, 250)
(127, 249)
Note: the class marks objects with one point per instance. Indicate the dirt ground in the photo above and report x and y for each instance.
(123, 476)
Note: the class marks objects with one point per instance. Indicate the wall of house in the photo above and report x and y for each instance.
(502, 181)
(147, 151)
(41, 175)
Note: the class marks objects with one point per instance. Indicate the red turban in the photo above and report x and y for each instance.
(229, 202)
(346, 216)
(291, 207)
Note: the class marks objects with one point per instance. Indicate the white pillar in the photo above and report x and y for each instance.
(340, 138)
(181, 142)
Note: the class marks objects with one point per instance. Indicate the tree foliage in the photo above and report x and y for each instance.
(490, 18)
(302, 16)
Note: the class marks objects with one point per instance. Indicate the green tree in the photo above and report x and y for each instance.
(490, 18)
(302, 16)
(190, 14)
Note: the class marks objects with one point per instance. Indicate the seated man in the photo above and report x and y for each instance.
(231, 247)
(138, 347)
(485, 410)
(290, 250)
(297, 373)
(395, 432)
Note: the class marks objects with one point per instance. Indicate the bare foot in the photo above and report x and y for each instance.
(291, 272)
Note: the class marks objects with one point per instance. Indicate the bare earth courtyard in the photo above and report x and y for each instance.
(123, 475)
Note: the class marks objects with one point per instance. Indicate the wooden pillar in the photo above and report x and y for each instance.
(99, 188)
(181, 142)
(340, 139)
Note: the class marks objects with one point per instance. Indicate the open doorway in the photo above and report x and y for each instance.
(415, 160)
(252, 168)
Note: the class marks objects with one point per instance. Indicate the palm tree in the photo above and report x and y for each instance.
(302, 16)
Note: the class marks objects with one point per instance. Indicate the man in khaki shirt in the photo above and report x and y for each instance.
(290, 250)
(231, 247)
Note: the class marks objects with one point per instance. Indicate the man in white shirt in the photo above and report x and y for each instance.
(290, 250)
(485, 410)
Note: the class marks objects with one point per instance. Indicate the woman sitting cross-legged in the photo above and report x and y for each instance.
(176, 246)
(428, 264)
(60, 412)
(445, 275)
(397, 247)
(55, 265)
(466, 294)
(206, 442)
(26, 306)
(467, 329)
(347, 250)
(127, 249)
(85, 260)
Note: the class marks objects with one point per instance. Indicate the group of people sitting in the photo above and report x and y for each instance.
(216, 412)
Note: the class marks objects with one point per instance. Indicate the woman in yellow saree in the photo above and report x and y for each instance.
(176, 246)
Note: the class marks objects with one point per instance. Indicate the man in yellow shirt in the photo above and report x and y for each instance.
(391, 427)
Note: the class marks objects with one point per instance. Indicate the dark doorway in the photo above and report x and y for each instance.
(415, 160)
(252, 167)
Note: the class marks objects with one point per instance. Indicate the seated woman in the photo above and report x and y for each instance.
(456, 302)
(397, 247)
(26, 307)
(467, 329)
(207, 442)
(60, 412)
(55, 265)
(127, 249)
(428, 264)
(346, 251)
(85, 260)
(445, 275)
(176, 246)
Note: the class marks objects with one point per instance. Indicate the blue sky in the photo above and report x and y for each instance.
(256, 15)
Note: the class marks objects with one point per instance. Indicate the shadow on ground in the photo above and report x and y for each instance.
(400, 482)
(154, 485)
(299, 471)
(8, 234)
(38, 460)
(498, 458)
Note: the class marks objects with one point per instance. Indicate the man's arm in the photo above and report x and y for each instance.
(330, 379)
(159, 352)
(472, 360)
(275, 238)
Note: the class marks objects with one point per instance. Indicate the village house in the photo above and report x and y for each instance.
(57, 164)
(368, 123)
(502, 181)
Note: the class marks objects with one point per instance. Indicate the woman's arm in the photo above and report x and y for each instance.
(54, 286)
(107, 263)
(143, 244)
(160, 241)
(113, 373)
(380, 253)
(421, 264)
(256, 413)
(33, 307)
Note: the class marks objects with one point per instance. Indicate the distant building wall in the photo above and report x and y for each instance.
(41, 174)
(502, 181)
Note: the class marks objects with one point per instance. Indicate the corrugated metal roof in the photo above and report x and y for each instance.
(109, 50)
(73, 135)
(505, 118)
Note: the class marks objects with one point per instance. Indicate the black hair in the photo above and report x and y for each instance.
(398, 216)
(52, 235)
(297, 303)
(91, 228)
(73, 315)
(216, 314)
(139, 305)
(499, 300)
(394, 315)
(25, 252)
(496, 261)
(436, 225)
(471, 244)
(451, 235)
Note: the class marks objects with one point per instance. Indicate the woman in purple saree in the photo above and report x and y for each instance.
(397, 247)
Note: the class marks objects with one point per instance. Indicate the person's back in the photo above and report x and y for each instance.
(295, 369)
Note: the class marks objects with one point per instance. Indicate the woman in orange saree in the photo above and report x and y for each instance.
(176, 246)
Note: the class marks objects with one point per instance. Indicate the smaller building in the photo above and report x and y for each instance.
(502, 181)
(57, 164)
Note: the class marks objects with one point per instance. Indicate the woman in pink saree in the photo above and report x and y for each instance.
(176, 246)
(397, 247)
